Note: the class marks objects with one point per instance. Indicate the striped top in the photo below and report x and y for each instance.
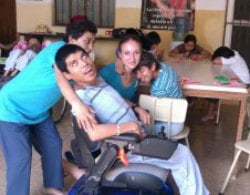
(109, 106)
(166, 84)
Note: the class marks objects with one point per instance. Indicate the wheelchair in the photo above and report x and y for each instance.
(109, 176)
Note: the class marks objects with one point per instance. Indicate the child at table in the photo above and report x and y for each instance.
(151, 43)
(164, 82)
(20, 56)
(226, 56)
(190, 49)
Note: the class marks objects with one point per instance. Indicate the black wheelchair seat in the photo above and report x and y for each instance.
(109, 176)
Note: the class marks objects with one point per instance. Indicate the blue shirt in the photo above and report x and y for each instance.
(113, 78)
(166, 84)
(28, 97)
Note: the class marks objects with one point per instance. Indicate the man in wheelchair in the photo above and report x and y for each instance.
(116, 117)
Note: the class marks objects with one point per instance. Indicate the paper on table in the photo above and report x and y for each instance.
(187, 80)
(232, 82)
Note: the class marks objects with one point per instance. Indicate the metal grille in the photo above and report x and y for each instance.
(241, 29)
(101, 12)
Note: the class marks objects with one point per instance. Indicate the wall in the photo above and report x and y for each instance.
(209, 22)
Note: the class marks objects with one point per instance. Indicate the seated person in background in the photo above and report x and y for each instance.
(151, 42)
(20, 56)
(164, 82)
(190, 49)
(7, 46)
(116, 117)
(228, 57)
(232, 58)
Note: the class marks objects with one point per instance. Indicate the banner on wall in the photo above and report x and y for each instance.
(168, 14)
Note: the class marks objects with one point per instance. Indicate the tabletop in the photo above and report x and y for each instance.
(204, 75)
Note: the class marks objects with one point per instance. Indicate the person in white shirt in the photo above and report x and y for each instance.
(20, 56)
(228, 57)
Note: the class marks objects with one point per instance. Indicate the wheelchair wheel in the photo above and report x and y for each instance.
(59, 110)
(146, 179)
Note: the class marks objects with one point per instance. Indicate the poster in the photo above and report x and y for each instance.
(168, 14)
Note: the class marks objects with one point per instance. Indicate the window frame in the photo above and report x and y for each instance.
(99, 24)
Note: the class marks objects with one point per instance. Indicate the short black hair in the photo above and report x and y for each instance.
(64, 52)
(38, 37)
(150, 39)
(78, 28)
(147, 59)
(223, 52)
(190, 37)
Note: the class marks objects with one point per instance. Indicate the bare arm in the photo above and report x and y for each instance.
(206, 54)
(84, 114)
(203, 55)
(175, 53)
(143, 115)
(165, 10)
(102, 131)
(7, 46)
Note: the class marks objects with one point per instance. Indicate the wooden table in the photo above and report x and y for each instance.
(204, 85)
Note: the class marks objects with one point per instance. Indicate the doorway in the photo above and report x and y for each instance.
(8, 21)
(237, 31)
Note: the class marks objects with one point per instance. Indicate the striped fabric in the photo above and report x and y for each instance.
(166, 84)
(109, 106)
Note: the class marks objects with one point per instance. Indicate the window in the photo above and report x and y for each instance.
(101, 12)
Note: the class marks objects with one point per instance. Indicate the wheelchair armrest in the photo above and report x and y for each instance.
(147, 147)
(126, 137)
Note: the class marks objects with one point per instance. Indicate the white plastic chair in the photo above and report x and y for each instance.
(240, 146)
(167, 110)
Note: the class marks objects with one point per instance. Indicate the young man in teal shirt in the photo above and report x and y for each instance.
(25, 119)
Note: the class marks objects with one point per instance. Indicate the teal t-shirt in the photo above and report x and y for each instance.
(113, 78)
(28, 97)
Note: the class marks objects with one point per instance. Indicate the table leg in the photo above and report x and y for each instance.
(242, 114)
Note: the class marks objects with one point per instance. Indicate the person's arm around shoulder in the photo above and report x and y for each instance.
(203, 54)
(84, 114)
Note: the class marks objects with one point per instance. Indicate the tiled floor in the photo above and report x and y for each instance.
(211, 144)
